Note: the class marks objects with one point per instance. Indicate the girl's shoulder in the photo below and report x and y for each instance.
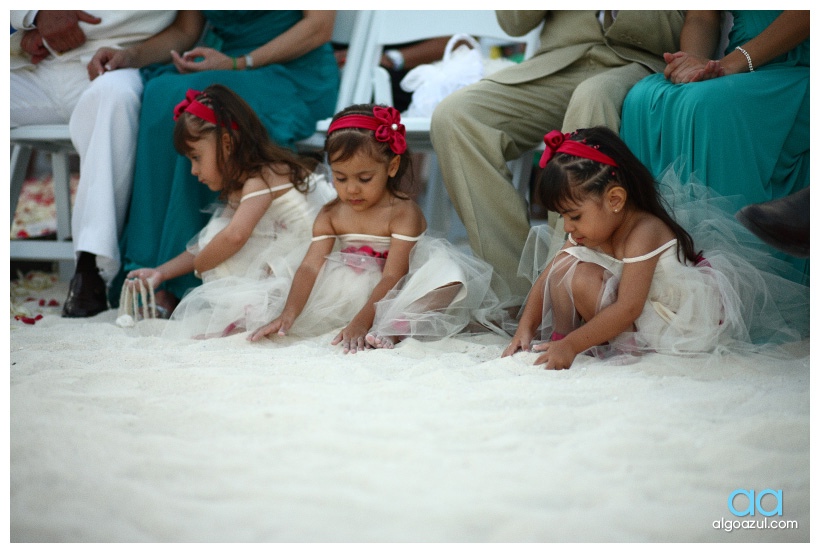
(253, 188)
(323, 223)
(268, 180)
(406, 217)
(646, 234)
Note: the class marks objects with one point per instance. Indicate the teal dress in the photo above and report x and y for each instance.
(745, 136)
(167, 201)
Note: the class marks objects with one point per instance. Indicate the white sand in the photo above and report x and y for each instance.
(116, 435)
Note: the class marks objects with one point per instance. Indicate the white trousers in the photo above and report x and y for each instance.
(103, 118)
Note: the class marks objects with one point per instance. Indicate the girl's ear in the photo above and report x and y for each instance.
(616, 198)
(227, 143)
(393, 166)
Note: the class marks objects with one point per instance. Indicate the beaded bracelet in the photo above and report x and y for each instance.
(748, 58)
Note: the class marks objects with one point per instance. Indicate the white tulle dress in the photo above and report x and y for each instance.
(736, 297)
(442, 293)
(249, 277)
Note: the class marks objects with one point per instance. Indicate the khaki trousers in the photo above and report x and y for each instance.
(477, 129)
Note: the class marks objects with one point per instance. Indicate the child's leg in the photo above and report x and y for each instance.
(559, 290)
(575, 290)
(439, 298)
(587, 283)
(434, 300)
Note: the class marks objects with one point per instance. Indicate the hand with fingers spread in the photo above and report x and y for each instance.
(557, 355)
(151, 277)
(278, 326)
(352, 337)
(520, 342)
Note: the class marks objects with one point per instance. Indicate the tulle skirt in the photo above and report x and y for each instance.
(235, 303)
(443, 292)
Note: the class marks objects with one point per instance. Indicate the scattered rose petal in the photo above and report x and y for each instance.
(28, 320)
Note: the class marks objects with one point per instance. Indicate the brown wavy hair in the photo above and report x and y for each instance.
(251, 147)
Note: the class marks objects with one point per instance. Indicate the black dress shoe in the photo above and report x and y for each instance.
(782, 223)
(86, 295)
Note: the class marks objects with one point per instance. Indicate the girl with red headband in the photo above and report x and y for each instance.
(370, 268)
(628, 277)
(269, 198)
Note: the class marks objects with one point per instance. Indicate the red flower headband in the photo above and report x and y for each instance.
(557, 142)
(385, 122)
(193, 106)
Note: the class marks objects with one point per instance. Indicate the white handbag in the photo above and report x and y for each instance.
(459, 67)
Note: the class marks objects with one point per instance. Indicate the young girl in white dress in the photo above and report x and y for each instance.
(269, 198)
(628, 277)
(370, 269)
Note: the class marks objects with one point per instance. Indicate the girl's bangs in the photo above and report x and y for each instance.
(558, 192)
(188, 129)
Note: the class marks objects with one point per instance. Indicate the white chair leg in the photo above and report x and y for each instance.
(62, 194)
(62, 201)
(20, 156)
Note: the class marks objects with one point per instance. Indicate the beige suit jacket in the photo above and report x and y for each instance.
(635, 36)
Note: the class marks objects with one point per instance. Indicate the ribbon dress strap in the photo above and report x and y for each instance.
(265, 191)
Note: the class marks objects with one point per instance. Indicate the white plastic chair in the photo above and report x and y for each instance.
(401, 26)
(56, 140)
(351, 28)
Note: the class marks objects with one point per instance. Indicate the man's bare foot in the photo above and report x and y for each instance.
(382, 342)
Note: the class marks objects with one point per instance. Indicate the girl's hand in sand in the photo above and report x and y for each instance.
(352, 338)
(151, 277)
(557, 355)
(520, 342)
(280, 326)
